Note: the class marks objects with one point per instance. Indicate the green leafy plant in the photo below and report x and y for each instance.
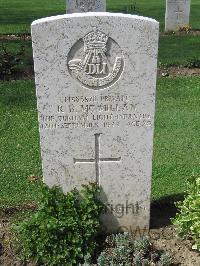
(187, 221)
(63, 230)
(122, 250)
(13, 61)
(142, 245)
(193, 63)
(10, 62)
(165, 260)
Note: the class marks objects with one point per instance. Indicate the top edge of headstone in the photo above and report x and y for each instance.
(92, 14)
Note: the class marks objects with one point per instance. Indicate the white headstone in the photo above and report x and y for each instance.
(96, 80)
(81, 6)
(177, 14)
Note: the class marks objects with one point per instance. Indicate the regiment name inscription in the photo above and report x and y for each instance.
(96, 112)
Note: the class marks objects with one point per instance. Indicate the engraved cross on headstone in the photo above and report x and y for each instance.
(97, 160)
(179, 13)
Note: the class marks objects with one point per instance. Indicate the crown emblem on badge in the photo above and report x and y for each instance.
(95, 68)
(95, 40)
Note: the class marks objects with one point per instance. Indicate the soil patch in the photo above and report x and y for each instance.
(7, 213)
(163, 234)
(13, 37)
(180, 249)
(173, 71)
(8, 257)
(27, 36)
(176, 71)
(20, 75)
(181, 33)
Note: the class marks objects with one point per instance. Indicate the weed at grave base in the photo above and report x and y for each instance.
(188, 220)
(63, 230)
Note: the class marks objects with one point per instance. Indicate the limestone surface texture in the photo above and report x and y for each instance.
(177, 14)
(81, 6)
(95, 76)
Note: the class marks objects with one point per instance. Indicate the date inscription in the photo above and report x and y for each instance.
(110, 111)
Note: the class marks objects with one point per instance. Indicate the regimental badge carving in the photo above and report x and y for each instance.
(85, 5)
(96, 61)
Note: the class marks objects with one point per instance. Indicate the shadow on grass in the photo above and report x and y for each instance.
(163, 210)
(17, 93)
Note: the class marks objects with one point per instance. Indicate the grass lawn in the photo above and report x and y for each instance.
(178, 50)
(19, 146)
(176, 146)
(17, 15)
(177, 142)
